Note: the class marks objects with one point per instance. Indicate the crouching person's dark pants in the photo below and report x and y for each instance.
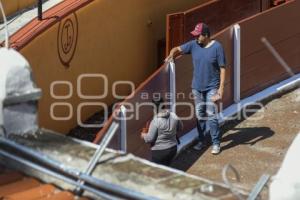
(165, 156)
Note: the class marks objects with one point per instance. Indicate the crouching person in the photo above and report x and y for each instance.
(162, 135)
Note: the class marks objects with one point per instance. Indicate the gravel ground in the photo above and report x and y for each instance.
(253, 146)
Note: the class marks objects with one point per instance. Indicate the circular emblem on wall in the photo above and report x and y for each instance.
(67, 39)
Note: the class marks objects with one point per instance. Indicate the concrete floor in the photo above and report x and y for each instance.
(253, 146)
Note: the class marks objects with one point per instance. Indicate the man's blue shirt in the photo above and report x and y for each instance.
(207, 62)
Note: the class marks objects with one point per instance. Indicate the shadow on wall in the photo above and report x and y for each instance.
(240, 136)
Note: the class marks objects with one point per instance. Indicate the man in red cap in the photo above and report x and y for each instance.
(208, 82)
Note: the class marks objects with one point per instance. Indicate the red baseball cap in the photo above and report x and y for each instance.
(201, 29)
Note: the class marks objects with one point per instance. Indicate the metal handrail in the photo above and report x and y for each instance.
(258, 187)
(37, 156)
(54, 174)
(94, 160)
(172, 69)
(118, 190)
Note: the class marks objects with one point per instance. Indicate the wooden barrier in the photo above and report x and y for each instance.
(259, 68)
(174, 30)
(217, 14)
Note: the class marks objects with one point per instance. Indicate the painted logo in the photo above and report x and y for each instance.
(67, 39)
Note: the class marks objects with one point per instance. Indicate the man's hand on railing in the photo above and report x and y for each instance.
(169, 58)
(173, 52)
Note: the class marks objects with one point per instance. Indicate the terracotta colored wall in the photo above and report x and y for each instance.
(175, 31)
(12, 6)
(259, 68)
(118, 40)
(220, 14)
(217, 14)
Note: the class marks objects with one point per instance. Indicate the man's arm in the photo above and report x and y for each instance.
(222, 64)
(222, 81)
(175, 51)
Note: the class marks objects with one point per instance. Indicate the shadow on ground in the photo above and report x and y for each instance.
(187, 158)
(237, 136)
(246, 136)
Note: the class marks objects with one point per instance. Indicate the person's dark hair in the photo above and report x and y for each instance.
(159, 104)
(205, 30)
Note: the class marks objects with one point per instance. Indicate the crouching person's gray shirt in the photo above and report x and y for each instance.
(162, 130)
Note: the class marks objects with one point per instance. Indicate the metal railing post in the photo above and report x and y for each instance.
(94, 160)
(237, 62)
(172, 86)
(123, 126)
(40, 9)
